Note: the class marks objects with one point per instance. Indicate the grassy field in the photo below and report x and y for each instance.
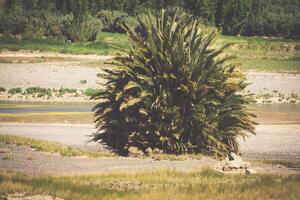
(108, 44)
(276, 55)
(207, 184)
(51, 147)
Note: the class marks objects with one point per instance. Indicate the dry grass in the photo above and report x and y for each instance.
(52, 147)
(172, 185)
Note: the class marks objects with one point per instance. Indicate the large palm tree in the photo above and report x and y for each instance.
(174, 91)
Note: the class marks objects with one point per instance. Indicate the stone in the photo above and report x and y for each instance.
(233, 163)
(250, 171)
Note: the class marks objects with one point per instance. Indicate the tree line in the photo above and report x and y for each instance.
(279, 18)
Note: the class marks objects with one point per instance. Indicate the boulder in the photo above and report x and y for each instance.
(234, 163)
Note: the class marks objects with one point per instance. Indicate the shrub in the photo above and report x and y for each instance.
(90, 92)
(15, 91)
(40, 91)
(175, 91)
(112, 20)
(85, 29)
(63, 91)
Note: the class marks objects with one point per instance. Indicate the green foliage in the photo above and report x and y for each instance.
(2, 89)
(90, 92)
(63, 91)
(108, 44)
(175, 91)
(14, 91)
(112, 20)
(40, 18)
(85, 29)
(39, 91)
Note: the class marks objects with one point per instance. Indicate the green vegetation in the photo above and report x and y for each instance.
(52, 147)
(90, 92)
(15, 91)
(259, 54)
(50, 92)
(2, 89)
(101, 47)
(84, 19)
(63, 91)
(166, 184)
(39, 91)
(175, 92)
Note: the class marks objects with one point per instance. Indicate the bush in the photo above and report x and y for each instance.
(112, 20)
(15, 91)
(85, 29)
(90, 92)
(175, 92)
(40, 91)
(63, 91)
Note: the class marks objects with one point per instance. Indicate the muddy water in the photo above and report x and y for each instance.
(267, 113)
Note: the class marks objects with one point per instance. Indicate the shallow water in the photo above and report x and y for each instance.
(267, 113)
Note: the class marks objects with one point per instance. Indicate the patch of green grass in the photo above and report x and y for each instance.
(15, 91)
(110, 43)
(164, 184)
(255, 53)
(47, 146)
(273, 65)
(91, 91)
